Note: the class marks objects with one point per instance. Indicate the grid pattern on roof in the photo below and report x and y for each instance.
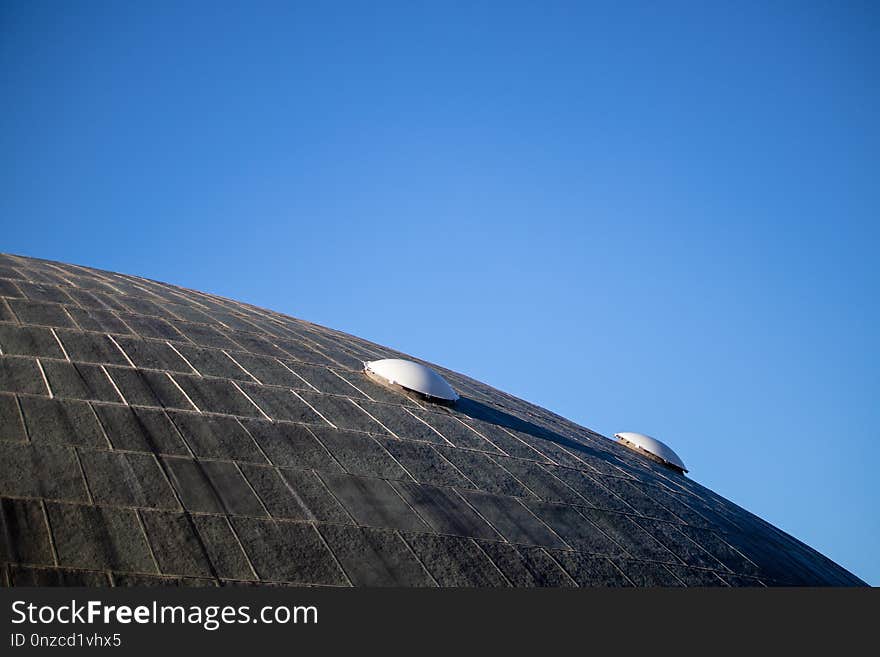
(157, 435)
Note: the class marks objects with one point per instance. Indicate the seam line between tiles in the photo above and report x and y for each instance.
(333, 556)
(184, 358)
(182, 391)
(372, 417)
(50, 534)
(248, 397)
(45, 379)
(247, 557)
(317, 412)
(491, 561)
(240, 366)
(255, 441)
(82, 472)
(58, 340)
(409, 547)
(146, 536)
(115, 387)
(122, 351)
(296, 374)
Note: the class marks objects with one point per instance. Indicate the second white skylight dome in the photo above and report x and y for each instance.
(411, 376)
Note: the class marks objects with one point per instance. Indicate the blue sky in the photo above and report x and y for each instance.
(651, 218)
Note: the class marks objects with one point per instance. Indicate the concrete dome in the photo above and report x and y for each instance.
(153, 434)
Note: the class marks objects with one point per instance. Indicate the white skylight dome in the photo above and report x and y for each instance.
(655, 449)
(411, 376)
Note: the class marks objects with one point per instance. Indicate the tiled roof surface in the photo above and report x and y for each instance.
(151, 434)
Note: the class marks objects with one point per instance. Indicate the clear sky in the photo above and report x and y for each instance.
(655, 217)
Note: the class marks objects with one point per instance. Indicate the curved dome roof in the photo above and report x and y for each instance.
(154, 434)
